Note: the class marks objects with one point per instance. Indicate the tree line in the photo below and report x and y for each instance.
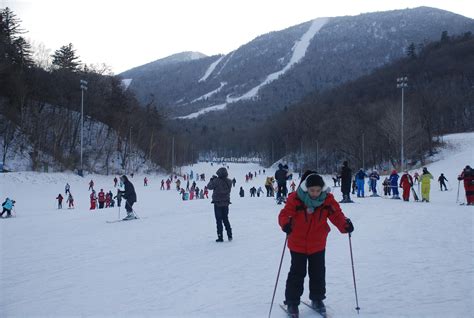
(40, 99)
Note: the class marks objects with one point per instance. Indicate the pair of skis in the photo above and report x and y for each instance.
(321, 313)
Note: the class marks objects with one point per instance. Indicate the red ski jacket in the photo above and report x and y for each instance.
(310, 231)
(406, 181)
(101, 197)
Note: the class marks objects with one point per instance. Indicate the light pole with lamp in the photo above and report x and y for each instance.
(83, 88)
(402, 82)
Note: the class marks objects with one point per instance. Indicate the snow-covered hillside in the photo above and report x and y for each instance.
(411, 259)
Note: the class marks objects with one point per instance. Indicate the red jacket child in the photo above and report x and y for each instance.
(310, 231)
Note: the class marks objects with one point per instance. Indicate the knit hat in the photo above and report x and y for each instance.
(314, 180)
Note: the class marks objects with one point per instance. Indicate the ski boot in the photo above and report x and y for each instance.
(219, 238)
(318, 306)
(130, 216)
(293, 311)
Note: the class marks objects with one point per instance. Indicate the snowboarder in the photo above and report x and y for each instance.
(406, 182)
(7, 206)
(101, 197)
(70, 200)
(241, 192)
(425, 180)
(394, 184)
(346, 179)
(145, 182)
(60, 201)
(304, 220)
(442, 183)
(130, 196)
(373, 178)
(221, 186)
(93, 200)
(468, 176)
(91, 185)
(67, 188)
(360, 180)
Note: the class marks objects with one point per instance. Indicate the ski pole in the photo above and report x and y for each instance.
(353, 275)
(457, 197)
(278, 276)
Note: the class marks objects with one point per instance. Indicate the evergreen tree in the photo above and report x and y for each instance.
(66, 59)
(411, 50)
(444, 36)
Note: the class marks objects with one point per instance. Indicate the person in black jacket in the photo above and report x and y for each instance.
(346, 181)
(221, 186)
(281, 176)
(129, 195)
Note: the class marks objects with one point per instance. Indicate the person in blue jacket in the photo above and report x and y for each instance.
(7, 207)
(360, 177)
(394, 184)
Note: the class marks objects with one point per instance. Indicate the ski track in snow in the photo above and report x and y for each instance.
(211, 69)
(299, 51)
(411, 259)
(206, 96)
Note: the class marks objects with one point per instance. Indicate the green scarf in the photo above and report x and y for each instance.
(312, 204)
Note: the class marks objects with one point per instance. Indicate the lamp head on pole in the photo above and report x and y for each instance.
(83, 85)
(402, 82)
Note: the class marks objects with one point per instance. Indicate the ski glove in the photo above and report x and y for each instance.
(287, 228)
(349, 226)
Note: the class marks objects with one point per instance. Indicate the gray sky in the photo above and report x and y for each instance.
(124, 34)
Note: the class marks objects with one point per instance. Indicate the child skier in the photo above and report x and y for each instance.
(442, 183)
(304, 220)
(60, 201)
(93, 200)
(70, 200)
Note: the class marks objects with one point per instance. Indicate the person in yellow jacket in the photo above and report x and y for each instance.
(425, 180)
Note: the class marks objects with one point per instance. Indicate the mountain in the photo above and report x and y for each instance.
(277, 69)
(169, 60)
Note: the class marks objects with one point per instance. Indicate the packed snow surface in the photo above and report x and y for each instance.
(411, 259)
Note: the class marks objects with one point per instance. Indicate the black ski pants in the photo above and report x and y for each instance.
(222, 216)
(317, 277)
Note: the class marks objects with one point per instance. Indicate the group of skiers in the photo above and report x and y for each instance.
(70, 198)
(391, 184)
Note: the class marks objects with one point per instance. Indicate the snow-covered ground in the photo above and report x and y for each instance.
(211, 69)
(411, 259)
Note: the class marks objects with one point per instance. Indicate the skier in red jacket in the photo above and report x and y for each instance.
(101, 198)
(468, 176)
(304, 219)
(406, 182)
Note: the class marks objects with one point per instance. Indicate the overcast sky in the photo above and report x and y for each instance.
(124, 34)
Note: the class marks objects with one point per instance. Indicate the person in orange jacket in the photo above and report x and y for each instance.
(304, 219)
